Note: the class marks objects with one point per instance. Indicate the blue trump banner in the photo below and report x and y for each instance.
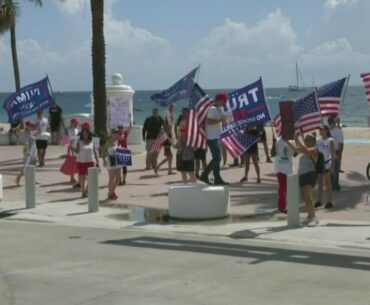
(124, 157)
(247, 107)
(176, 92)
(29, 100)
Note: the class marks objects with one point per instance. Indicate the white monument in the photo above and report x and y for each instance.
(120, 107)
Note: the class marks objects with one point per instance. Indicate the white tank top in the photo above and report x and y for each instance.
(86, 153)
(112, 159)
(323, 146)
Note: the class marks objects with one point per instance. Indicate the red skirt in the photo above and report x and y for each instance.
(83, 167)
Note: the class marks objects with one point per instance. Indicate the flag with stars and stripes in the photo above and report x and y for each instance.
(306, 114)
(329, 96)
(366, 79)
(276, 122)
(180, 90)
(157, 144)
(237, 142)
(65, 140)
(199, 104)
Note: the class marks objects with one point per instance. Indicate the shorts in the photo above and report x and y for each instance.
(82, 167)
(167, 151)
(41, 144)
(253, 150)
(187, 166)
(200, 154)
(308, 179)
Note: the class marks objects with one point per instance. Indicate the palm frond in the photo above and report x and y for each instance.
(8, 13)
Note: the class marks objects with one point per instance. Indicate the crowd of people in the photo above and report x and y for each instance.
(320, 161)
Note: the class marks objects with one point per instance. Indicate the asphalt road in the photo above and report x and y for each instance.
(47, 264)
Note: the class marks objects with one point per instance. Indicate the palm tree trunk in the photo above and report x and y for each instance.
(98, 67)
(13, 43)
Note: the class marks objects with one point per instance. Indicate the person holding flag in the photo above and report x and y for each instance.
(215, 119)
(151, 129)
(252, 153)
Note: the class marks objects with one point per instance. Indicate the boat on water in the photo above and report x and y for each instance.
(298, 75)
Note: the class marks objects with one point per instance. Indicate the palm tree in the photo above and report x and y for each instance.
(7, 22)
(98, 67)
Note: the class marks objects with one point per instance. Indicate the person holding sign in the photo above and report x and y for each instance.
(110, 162)
(86, 154)
(122, 135)
(215, 119)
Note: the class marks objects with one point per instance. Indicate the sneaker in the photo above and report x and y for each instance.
(318, 204)
(268, 160)
(221, 182)
(328, 205)
(306, 221)
(313, 222)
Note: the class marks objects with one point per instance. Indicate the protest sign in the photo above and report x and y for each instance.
(124, 157)
(119, 109)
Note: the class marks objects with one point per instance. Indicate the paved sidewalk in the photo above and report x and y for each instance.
(252, 205)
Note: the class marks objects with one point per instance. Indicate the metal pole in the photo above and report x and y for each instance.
(1, 187)
(293, 201)
(30, 179)
(93, 187)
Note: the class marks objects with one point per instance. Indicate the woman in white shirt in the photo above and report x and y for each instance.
(42, 137)
(110, 162)
(86, 155)
(326, 146)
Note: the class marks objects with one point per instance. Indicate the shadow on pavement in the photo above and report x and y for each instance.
(259, 254)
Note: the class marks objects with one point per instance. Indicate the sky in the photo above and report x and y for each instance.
(153, 43)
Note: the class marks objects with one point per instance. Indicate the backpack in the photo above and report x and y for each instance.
(320, 164)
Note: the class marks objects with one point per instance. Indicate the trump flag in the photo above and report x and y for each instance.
(29, 100)
(247, 107)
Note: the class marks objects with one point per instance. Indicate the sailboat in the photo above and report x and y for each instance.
(298, 75)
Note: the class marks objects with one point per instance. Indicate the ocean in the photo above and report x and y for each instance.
(354, 109)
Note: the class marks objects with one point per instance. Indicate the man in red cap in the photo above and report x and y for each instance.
(215, 119)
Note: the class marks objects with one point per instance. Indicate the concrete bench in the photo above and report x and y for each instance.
(198, 201)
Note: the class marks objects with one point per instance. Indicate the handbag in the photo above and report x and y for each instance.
(69, 166)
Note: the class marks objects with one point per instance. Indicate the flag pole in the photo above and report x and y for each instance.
(198, 72)
(344, 93)
(51, 88)
(268, 108)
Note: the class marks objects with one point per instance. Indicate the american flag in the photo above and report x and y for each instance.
(199, 103)
(366, 79)
(276, 122)
(157, 144)
(306, 114)
(237, 142)
(65, 140)
(329, 96)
